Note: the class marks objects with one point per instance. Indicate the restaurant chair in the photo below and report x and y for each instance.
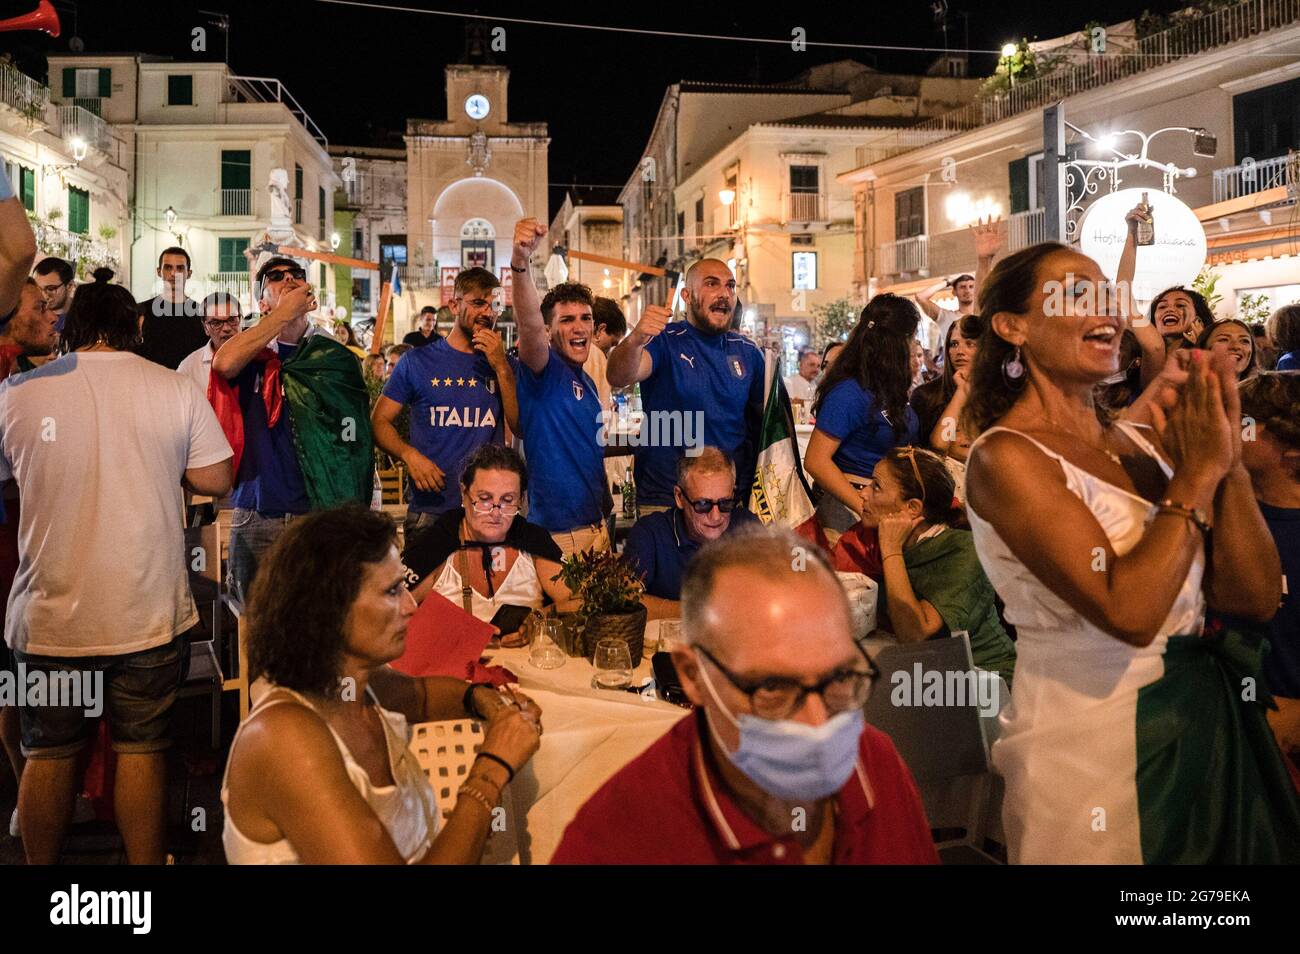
(946, 746)
(446, 750)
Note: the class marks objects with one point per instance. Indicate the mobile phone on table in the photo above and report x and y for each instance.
(509, 617)
(666, 680)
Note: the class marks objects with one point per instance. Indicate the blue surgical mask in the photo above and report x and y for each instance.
(790, 760)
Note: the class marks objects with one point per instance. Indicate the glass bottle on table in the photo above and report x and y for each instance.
(629, 494)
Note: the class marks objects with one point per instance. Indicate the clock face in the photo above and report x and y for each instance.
(477, 106)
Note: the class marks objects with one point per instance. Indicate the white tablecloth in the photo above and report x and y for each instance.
(589, 735)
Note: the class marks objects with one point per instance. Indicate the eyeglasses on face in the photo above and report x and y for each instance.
(51, 289)
(215, 323)
(485, 507)
(280, 274)
(779, 697)
(704, 504)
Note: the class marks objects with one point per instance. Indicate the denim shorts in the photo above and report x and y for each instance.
(136, 692)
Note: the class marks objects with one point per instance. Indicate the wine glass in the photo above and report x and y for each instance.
(547, 649)
(613, 662)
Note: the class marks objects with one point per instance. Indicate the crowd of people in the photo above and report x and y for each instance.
(1048, 484)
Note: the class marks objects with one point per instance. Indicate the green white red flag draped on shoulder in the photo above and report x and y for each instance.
(780, 495)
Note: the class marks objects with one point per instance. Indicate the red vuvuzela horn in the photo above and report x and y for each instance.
(43, 18)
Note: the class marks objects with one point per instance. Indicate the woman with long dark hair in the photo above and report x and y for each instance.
(1180, 315)
(861, 407)
(1127, 738)
(938, 403)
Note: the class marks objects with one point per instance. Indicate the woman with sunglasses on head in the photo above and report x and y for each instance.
(861, 408)
(932, 582)
(1127, 739)
(484, 555)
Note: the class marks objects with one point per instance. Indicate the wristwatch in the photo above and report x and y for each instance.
(1194, 514)
(519, 271)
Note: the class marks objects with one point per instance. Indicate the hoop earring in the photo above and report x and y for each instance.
(1013, 370)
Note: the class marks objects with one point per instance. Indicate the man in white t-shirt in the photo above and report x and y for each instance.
(221, 320)
(936, 321)
(800, 385)
(101, 442)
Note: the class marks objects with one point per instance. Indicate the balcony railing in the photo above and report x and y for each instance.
(419, 276)
(297, 210)
(238, 284)
(91, 104)
(79, 124)
(236, 202)
(85, 251)
(805, 207)
(1251, 177)
(23, 93)
(905, 255)
(263, 89)
(1026, 228)
(1188, 38)
(724, 218)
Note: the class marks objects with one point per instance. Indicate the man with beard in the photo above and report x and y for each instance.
(560, 411)
(459, 390)
(698, 380)
(55, 277)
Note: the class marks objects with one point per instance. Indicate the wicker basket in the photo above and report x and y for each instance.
(626, 626)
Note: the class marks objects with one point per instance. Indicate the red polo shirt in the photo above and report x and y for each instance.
(669, 806)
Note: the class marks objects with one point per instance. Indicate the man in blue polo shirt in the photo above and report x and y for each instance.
(698, 379)
(662, 543)
(459, 390)
(560, 415)
(269, 487)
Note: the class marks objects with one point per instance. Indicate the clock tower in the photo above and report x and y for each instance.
(476, 98)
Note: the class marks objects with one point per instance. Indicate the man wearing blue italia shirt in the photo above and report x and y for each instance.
(459, 389)
(696, 370)
(559, 407)
(662, 543)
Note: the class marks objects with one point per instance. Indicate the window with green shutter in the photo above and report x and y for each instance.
(230, 254)
(27, 187)
(236, 169)
(78, 211)
(180, 90)
(105, 83)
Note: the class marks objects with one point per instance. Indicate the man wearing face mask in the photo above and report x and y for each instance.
(460, 390)
(776, 765)
(560, 411)
(697, 367)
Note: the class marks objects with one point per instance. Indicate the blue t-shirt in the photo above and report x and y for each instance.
(850, 415)
(711, 380)
(269, 480)
(1288, 362)
(659, 547)
(455, 408)
(1282, 663)
(559, 415)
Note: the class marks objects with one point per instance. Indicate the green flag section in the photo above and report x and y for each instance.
(329, 410)
(780, 495)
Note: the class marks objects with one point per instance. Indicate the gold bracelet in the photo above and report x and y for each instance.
(481, 779)
(478, 796)
(884, 558)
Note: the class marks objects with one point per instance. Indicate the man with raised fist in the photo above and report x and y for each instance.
(693, 367)
(559, 405)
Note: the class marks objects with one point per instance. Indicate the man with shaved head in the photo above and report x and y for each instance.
(775, 765)
(699, 371)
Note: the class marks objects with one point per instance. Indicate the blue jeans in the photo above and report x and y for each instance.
(251, 535)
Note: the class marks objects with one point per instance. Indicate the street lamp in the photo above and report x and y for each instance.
(727, 196)
(170, 215)
(1008, 53)
(79, 148)
(335, 241)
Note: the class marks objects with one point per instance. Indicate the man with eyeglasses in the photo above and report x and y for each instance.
(460, 390)
(776, 765)
(662, 543)
(54, 277)
(221, 318)
(173, 324)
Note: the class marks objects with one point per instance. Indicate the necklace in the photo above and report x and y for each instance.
(1105, 434)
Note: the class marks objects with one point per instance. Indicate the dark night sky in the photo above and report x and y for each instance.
(353, 69)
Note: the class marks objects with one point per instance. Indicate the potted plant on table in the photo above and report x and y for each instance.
(610, 589)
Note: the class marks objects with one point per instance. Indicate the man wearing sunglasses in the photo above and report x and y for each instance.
(662, 543)
(460, 390)
(173, 323)
(221, 320)
(776, 765)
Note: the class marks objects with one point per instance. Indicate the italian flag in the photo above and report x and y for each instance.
(780, 495)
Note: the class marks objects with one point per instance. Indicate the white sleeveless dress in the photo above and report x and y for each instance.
(1068, 746)
(521, 587)
(407, 809)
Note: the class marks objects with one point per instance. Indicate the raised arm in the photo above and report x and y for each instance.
(17, 247)
(923, 299)
(1148, 336)
(236, 353)
(628, 362)
(534, 342)
(988, 240)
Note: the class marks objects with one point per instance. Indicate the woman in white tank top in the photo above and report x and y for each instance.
(319, 772)
(1129, 737)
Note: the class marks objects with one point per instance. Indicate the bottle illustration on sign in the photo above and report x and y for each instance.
(1146, 227)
